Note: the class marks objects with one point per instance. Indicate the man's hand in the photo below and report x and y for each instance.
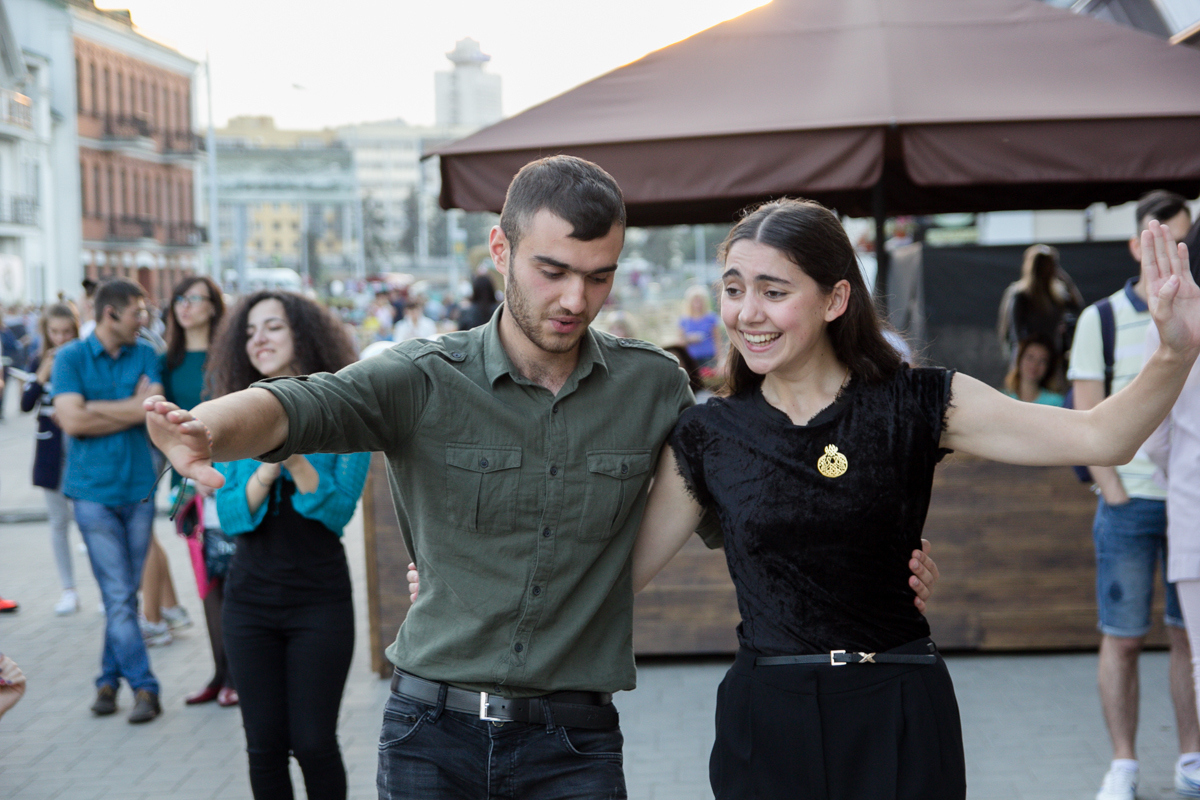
(184, 440)
(925, 575)
(414, 582)
(46, 367)
(12, 684)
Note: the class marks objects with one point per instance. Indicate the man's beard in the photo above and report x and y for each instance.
(517, 306)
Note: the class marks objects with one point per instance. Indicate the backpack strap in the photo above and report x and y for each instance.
(1108, 337)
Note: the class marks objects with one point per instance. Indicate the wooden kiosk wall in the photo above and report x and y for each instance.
(1014, 545)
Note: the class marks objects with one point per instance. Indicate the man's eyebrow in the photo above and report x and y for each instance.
(554, 262)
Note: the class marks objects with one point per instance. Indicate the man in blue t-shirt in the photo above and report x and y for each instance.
(100, 383)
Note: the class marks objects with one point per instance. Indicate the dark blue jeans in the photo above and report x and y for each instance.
(117, 539)
(429, 753)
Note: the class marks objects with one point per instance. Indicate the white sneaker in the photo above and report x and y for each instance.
(1119, 784)
(156, 634)
(67, 604)
(176, 618)
(1187, 780)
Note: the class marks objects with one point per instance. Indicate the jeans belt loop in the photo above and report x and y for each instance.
(441, 703)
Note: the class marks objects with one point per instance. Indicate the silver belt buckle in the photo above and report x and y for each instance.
(483, 710)
(835, 663)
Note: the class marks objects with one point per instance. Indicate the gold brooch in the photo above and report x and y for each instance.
(833, 464)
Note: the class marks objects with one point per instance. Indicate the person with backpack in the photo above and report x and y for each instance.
(1130, 526)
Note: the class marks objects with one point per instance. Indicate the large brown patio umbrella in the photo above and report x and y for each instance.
(875, 107)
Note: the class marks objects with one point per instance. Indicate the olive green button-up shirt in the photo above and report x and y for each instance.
(520, 507)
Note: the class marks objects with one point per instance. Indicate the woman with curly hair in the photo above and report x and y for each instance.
(288, 618)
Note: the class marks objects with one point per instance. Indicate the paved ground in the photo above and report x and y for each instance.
(1032, 724)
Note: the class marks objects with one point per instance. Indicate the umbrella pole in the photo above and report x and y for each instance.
(882, 258)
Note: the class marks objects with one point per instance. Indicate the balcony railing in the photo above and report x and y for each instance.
(16, 109)
(18, 210)
(127, 127)
(124, 229)
(185, 233)
(184, 142)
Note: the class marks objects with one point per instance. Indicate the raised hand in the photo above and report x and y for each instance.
(1172, 295)
(184, 440)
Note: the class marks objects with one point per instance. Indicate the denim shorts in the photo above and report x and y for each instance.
(1131, 542)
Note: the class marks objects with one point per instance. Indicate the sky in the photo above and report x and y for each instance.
(316, 64)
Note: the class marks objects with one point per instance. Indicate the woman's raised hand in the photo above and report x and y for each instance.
(1171, 293)
(184, 440)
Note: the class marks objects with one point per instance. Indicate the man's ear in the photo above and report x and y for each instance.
(499, 249)
(1135, 247)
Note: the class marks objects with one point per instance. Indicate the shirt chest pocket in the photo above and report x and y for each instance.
(614, 478)
(481, 487)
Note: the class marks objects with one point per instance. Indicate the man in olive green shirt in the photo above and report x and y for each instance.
(519, 455)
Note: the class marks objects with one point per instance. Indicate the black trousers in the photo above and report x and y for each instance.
(290, 666)
(854, 732)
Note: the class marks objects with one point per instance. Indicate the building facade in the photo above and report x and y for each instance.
(138, 154)
(467, 96)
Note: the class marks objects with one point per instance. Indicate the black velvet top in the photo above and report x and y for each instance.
(820, 563)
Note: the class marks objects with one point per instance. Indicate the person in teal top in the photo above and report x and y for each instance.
(288, 618)
(1034, 374)
(197, 307)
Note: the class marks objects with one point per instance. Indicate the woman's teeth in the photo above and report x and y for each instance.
(760, 338)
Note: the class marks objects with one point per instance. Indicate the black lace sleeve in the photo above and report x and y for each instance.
(930, 392)
(688, 442)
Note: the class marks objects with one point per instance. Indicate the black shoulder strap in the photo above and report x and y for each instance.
(1108, 336)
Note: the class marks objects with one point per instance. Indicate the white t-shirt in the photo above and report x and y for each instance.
(1131, 318)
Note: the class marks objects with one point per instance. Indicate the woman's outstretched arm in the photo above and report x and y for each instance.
(986, 423)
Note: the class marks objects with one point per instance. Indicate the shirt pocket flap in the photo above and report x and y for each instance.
(619, 464)
(482, 459)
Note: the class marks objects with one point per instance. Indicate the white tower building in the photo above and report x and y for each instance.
(467, 96)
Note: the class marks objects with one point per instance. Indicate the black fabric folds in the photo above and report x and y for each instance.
(820, 563)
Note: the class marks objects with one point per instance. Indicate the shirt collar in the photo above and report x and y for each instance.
(496, 362)
(1139, 305)
(96, 347)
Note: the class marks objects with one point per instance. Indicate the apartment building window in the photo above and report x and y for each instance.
(96, 203)
(79, 84)
(146, 197)
(124, 194)
(83, 192)
(120, 95)
(107, 91)
(95, 98)
(111, 185)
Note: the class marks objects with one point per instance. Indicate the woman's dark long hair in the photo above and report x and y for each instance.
(319, 341)
(812, 238)
(176, 336)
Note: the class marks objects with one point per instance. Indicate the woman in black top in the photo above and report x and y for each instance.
(817, 465)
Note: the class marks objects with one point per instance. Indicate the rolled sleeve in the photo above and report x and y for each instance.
(372, 405)
(232, 508)
(336, 497)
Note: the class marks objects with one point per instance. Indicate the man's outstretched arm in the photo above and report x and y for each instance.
(244, 424)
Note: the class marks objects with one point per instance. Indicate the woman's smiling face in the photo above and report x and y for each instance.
(269, 342)
(776, 315)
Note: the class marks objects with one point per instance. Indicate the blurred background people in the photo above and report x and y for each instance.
(1034, 376)
(483, 304)
(414, 324)
(1044, 302)
(59, 325)
(197, 307)
(288, 618)
(100, 385)
(689, 365)
(699, 326)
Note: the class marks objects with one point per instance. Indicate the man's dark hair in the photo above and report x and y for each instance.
(1160, 206)
(575, 190)
(116, 293)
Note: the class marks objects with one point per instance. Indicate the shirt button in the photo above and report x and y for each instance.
(553, 471)
(457, 356)
(496, 688)
(546, 533)
(537, 590)
(483, 463)
(624, 468)
(554, 410)
(518, 647)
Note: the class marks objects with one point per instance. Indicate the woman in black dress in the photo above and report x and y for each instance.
(817, 465)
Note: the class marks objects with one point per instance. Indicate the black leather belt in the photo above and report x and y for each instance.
(840, 658)
(592, 710)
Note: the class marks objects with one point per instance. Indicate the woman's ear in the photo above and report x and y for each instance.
(839, 300)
